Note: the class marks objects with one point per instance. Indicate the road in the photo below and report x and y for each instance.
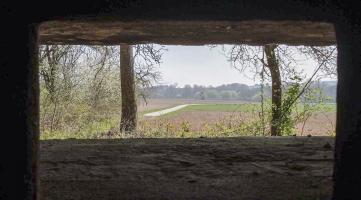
(166, 111)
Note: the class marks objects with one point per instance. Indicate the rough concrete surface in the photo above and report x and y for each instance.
(253, 32)
(253, 168)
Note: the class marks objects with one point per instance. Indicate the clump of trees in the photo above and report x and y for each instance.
(233, 91)
(81, 87)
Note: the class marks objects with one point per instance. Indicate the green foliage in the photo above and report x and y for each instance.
(298, 108)
(289, 103)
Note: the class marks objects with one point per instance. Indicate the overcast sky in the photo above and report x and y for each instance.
(202, 65)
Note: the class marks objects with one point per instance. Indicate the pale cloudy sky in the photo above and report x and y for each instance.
(202, 65)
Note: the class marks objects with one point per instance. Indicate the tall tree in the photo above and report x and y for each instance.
(278, 63)
(128, 121)
(274, 68)
(138, 73)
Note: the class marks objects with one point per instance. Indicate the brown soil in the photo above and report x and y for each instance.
(321, 124)
(198, 119)
(275, 168)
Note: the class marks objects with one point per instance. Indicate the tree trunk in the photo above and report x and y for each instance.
(273, 66)
(128, 121)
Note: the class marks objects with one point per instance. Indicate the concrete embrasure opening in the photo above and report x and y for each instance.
(201, 168)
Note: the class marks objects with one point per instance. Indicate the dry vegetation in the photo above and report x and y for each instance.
(319, 124)
(217, 119)
(214, 119)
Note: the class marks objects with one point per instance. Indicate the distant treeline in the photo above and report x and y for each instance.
(234, 91)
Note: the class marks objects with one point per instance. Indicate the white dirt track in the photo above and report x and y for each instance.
(166, 111)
